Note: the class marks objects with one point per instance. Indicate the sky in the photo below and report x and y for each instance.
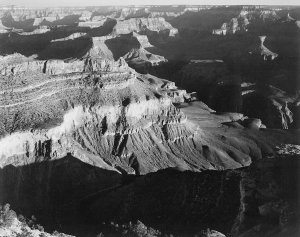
(55, 3)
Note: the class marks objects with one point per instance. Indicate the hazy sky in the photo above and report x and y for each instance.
(44, 3)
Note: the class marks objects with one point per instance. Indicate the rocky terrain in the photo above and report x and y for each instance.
(15, 225)
(150, 120)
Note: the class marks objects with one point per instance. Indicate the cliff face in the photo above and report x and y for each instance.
(274, 106)
(14, 226)
(241, 22)
(130, 47)
(106, 114)
(143, 24)
(41, 30)
(71, 37)
(142, 56)
(93, 24)
(233, 26)
(89, 140)
(262, 50)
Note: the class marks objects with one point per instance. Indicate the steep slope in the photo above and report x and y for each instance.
(247, 16)
(272, 105)
(143, 25)
(38, 31)
(13, 226)
(101, 111)
(88, 144)
(3, 29)
(140, 56)
(100, 49)
(71, 37)
(214, 83)
(93, 24)
(263, 51)
(235, 25)
(131, 47)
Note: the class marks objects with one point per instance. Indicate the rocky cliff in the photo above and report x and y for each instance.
(13, 226)
(235, 25)
(70, 37)
(88, 144)
(93, 24)
(144, 24)
(101, 112)
(241, 22)
(262, 50)
(38, 31)
(272, 105)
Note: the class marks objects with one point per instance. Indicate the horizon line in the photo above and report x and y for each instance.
(146, 5)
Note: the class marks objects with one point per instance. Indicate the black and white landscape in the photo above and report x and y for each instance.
(178, 120)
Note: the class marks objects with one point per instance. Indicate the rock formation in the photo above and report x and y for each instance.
(246, 16)
(137, 56)
(269, 103)
(97, 110)
(144, 24)
(289, 18)
(71, 37)
(40, 20)
(135, 12)
(92, 139)
(100, 49)
(130, 47)
(263, 51)
(13, 226)
(38, 31)
(3, 29)
(235, 25)
(92, 24)
(143, 40)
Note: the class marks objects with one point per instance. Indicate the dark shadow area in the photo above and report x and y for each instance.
(106, 29)
(76, 48)
(122, 45)
(206, 20)
(74, 197)
(70, 20)
(42, 46)
(26, 25)
(52, 190)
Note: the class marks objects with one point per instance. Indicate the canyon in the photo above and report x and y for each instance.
(150, 121)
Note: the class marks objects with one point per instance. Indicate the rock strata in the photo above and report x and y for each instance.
(144, 24)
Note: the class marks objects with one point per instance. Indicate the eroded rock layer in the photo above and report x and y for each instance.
(106, 114)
